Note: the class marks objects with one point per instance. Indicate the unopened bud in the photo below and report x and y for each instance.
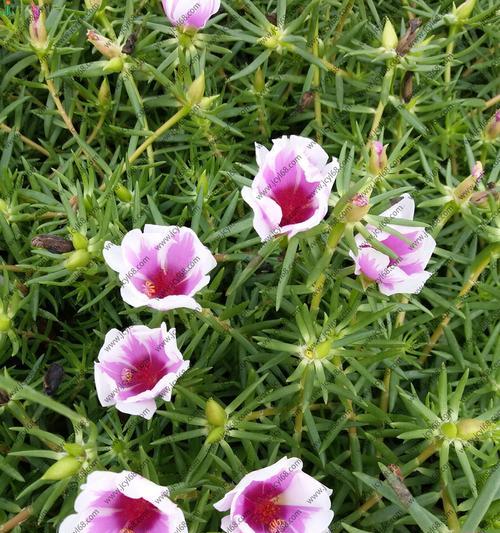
(472, 428)
(378, 158)
(38, 33)
(449, 430)
(493, 128)
(113, 65)
(357, 208)
(77, 259)
(5, 323)
(215, 414)
(203, 183)
(123, 193)
(76, 450)
(105, 46)
(80, 242)
(93, 5)
(323, 348)
(259, 82)
(463, 192)
(197, 90)
(52, 243)
(104, 96)
(389, 36)
(216, 435)
(463, 11)
(65, 467)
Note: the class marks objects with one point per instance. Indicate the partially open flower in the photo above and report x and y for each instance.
(378, 158)
(290, 192)
(278, 499)
(38, 33)
(190, 13)
(493, 128)
(122, 503)
(163, 268)
(137, 366)
(406, 274)
(105, 46)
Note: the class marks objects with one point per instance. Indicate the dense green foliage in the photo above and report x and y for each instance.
(353, 382)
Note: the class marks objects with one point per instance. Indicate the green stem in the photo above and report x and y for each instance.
(449, 51)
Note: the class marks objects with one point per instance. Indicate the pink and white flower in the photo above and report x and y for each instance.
(290, 192)
(136, 366)
(163, 268)
(121, 503)
(407, 273)
(277, 499)
(190, 13)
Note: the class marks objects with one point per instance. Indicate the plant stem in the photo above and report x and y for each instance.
(488, 254)
(20, 517)
(331, 244)
(449, 51)
(316, 75)
(158, 133)
(27, 141)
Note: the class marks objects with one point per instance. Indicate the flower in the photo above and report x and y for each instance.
(38, 33)
(161, 268)
(136, 366)
(378, 158)
(277, 499)
(405, 274)
(105, 46)
(123, 502)
(190, 13)
(290, 192)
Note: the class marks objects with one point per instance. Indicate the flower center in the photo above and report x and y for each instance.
(127, 376)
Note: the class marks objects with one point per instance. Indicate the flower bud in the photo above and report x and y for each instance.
(463, 192)
(113, 65)
(104, 96)
(203, 183)
(77, 259)
(197, 90)
(93, 5)
(493, 128)
(323, 348)
(259, 82)
(449, 430)
(463, 11)
(52, 243)
(378, 158)
(123, 193)
(74, 449)
(472, 428)
(389, 36)
(216, 435)
(215, 414)
(105, 46)
(80, 242)
(65, 467)
(5, 323)
(357, 208)
(38, 33)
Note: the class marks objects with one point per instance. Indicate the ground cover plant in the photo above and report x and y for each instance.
(248, 266)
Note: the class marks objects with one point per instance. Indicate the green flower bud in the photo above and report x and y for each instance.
(113, 65)
(216, 435)
(215, 414)
(323, 348)
(104, 96)
(357, 208)
(5, 323)
(123, 193)
(197, 90)
(472, 428)
(389, 36)
(74, 449)
(65, 467)
(77, 259)
(449, 430)
(203, 183)
(259, 83)
(463, 11)
(80, 242)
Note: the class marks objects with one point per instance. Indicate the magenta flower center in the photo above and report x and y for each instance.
(261, 510)
(295, 204)
(142, 378)
(162, 284)
(135, 514)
